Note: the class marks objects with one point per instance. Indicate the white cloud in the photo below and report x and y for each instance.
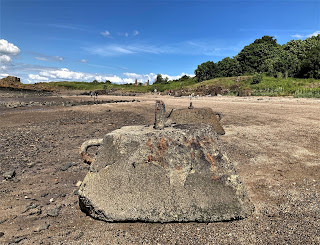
(83, 61)
(135, 33)
(105, 33)
(69, 27)
(191, 47)
(38, 78)
(117, 50)
(3, 75)
(177, 77)
(316, 33)
(141, 78)
(67, 75)
(299, 36)
(7, 48)
(3, 68)
(5, 58)
(49, 58)
(126, 34)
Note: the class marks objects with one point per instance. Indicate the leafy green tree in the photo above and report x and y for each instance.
(206, 71)
(252, 58)
(95, 82)
(228, 67)
(184, 77)
(161, 80)
(310, 67)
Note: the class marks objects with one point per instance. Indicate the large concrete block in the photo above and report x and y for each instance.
(177, 174)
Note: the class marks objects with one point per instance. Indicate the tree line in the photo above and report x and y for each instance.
(296, 58)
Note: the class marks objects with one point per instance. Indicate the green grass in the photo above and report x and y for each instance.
(269, 86)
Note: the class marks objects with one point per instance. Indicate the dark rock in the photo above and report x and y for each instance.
(1, 234)
(67, 166)
(44, 194)
(3, 220)
(77, 237)
(9, 174)
(17, 239)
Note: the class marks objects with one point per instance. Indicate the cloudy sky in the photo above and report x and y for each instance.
(124, 40)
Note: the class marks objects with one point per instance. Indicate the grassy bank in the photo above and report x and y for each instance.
(238, 86)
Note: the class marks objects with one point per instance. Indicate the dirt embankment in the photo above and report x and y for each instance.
(274, 143)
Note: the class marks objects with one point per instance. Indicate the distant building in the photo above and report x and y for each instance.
(146, 83)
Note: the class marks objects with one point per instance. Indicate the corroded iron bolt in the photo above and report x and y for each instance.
(160, 115)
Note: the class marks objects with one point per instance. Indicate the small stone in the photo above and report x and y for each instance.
(2, 221)
(51, 200)
(30, 206)
(1, 234)
(15, 180)
(31, 164)
(17, 239)
(41, 227)
(77, 237)
(75, 192)
(9, 174)
(66, 166)
(54, 212)
(79, 183)
(36, 211)
(44, 194)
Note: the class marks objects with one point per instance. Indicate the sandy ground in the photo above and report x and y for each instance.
(273, 142)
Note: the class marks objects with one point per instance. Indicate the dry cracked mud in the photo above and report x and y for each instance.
(274, 143)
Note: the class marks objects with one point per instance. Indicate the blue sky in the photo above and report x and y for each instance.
(121, 40)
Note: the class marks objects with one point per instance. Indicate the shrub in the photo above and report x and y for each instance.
(256, 78)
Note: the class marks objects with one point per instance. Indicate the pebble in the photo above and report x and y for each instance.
(30, 206)
(31, 164)
(2, 221)
(78, 236)
(1, 234)
(44, 194)
(54, 212)
(67, 166)
(79, 183)
(41, 227)
(9, 174)
(51, 200)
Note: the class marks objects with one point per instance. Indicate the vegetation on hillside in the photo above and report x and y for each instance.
(239, 86)
(297, 58)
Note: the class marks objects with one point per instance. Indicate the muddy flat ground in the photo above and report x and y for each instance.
(273, 142)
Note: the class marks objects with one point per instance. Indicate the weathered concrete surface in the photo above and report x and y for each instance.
(176, 174)
(196, 116)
